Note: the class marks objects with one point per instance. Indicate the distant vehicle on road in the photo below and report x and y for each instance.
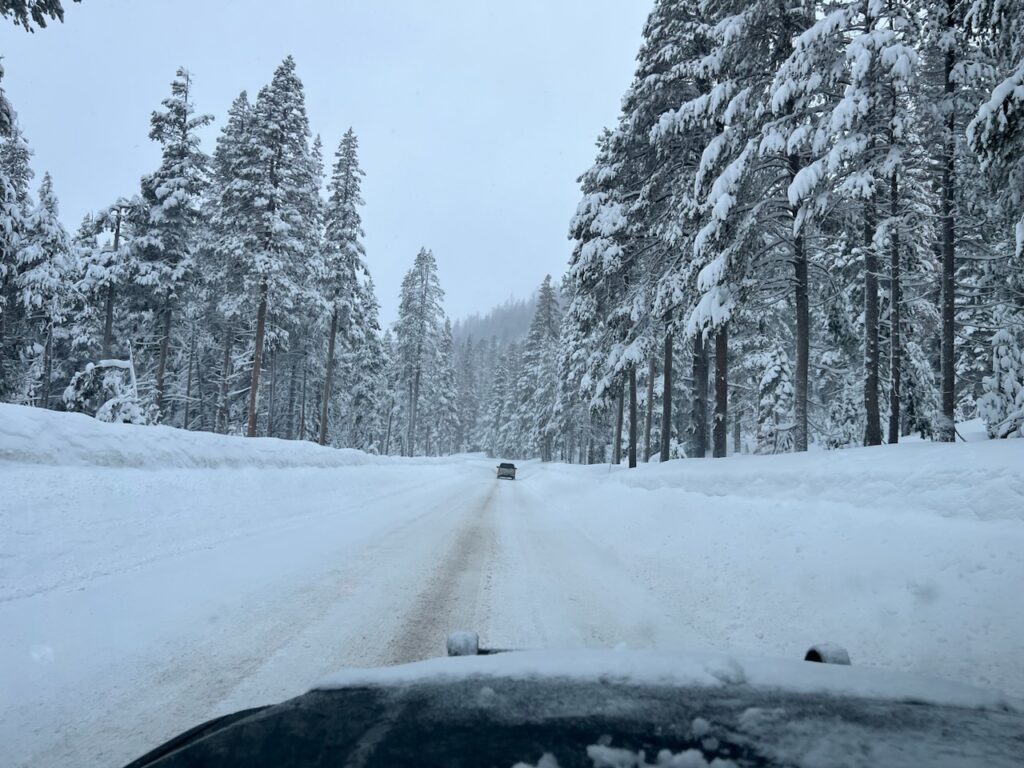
(506, 470)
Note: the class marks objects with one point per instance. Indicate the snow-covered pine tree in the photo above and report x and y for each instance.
(468, 378)
(343, 256)
(169, 211)
(775, 403)
(366, 373)
(1002, 405)
(15, 176)
(42, 286)
(594, 284)
(442, 414)
(417, 339)
(106, 268)
(276, 181)
(538, 400)
(232, 207)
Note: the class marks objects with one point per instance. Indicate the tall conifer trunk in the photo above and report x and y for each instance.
(272, 399)
(108, 313)
(947, 427)
(225, 384)
(803, 332)
(293, 388)
(47, 366)
(257, 360)
(699, 399)
(161, 368)
(188, 382)
(302, 403)
(649, 415)
(329, 380)
(895, 299)
(721, 426)
(617, 445)
(632, 416)
(873, 425)
(666, 400)
(414, 402)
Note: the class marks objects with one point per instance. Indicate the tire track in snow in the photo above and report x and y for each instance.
(455, 593)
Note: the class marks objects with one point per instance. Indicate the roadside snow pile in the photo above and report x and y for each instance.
(36, 436)
(982, 480)
(910, 556)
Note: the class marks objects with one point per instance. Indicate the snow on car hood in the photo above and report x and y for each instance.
(683, 669)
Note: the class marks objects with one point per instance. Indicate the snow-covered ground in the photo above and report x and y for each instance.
(151, 578)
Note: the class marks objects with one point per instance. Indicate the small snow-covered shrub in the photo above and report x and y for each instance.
(106, 391)
(1002, 404)
(775, 404)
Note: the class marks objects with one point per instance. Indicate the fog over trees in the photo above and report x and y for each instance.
(806, 228)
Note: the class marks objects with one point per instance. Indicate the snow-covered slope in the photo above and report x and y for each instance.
(35, 436)
(151, 578)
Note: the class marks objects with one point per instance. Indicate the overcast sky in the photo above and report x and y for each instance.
(474, 117)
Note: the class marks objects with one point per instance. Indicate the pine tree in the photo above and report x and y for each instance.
(169, 212)
(366, 373)
(344, 255)
(15, 176)
(1002, 406)
(539, 391)
(42, 288)
(775, 404)
(275, 178)
(417, 339)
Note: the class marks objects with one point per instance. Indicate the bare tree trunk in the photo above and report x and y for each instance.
(108, 321)
(293, 388)
(666, 400)
(617, 445)
(161, 367)
(947, 427)
(736, 433)
(387, 433)
(225, 388)
(803, 332)
(329, 380)
(649, 415)
(721, 427)
(873, 427)
(188, 382)
(699, 399)
(302, 405)
(257, 360)
(199, 391)
(47, 365)
(632, 416)
(413, 402)
(896, 298)
(272, 399)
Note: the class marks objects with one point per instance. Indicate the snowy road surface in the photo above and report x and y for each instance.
(137, 601)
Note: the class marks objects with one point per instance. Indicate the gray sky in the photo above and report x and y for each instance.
(474, 117)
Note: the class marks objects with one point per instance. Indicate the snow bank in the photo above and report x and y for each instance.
(36, 436)
(908, 555)
(983, 480)
(682, 669)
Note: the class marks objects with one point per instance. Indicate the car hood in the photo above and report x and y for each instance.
(678, 668)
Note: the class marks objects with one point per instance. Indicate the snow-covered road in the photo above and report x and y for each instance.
(136, 601)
